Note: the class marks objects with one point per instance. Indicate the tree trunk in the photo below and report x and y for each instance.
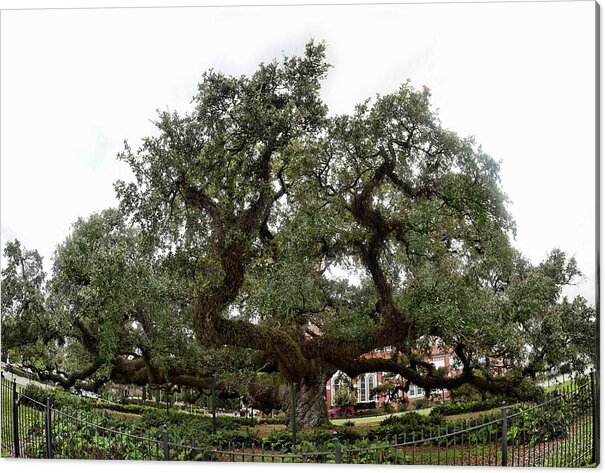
(310, 401)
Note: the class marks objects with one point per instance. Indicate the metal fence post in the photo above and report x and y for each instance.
(504, 435)
(47, 426)
(165, 442)
(337, 450)
(293, 414)
(214, 403)
(16, 420)
(595, 420)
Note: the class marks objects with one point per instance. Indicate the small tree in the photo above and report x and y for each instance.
(345, 397)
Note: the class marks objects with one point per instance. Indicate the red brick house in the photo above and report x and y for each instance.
(364, 384)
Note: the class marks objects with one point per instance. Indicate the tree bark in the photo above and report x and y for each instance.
(310, 409)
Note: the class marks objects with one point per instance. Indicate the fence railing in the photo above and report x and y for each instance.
(558, 432)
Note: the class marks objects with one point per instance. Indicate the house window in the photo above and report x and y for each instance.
(365, 384)
(415, 391)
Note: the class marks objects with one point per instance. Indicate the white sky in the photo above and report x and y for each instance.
(520, 77)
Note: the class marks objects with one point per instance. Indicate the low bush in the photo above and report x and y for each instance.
(35, 396)
(125, 408)
(317, 436)
(421, 403)
(233, 438)
(388, 408)
(406, 424)
(348, 434)
(461, 407)
(367, 412)
(280, 437)
(365, 405)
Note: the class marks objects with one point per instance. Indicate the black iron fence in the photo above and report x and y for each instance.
(558, 432)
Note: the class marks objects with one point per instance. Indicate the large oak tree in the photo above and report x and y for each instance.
(267, 195)
(258, 222)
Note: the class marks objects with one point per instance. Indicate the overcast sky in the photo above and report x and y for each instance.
(519, 77)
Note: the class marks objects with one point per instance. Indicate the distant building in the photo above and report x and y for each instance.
(364, 384)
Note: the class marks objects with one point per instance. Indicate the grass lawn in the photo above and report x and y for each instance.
(558, 386)
(474, 415)
(377, 419)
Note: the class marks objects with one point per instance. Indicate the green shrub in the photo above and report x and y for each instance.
(403, 406)
(461, 407)
(406, 424)
(345, 397)
(35, 396)
(234, 438)
(125, 408)
(365, 452)
(550, 421)
(421, 403)
(365, 405)
(280, 437)
(348, 434)
(317, 436)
